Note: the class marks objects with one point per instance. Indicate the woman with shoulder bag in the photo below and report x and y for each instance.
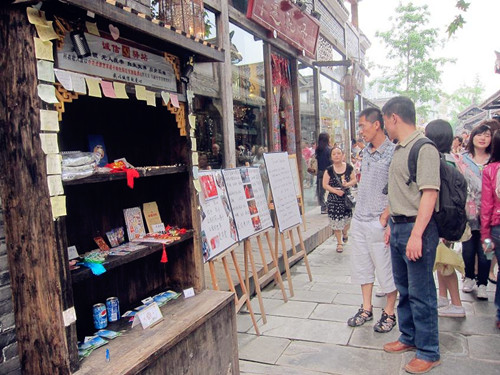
(322, 156)
(338, 180)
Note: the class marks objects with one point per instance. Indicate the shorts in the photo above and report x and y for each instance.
(370, 256)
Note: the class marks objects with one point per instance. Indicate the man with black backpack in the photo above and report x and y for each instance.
(414, 237)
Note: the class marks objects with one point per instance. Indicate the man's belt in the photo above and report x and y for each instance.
(403, 219)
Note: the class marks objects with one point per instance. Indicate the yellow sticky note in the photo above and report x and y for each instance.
(197, 185)
(49, 120)
(49, 143)
(151, 98)
(46, 32)
(120, 91)
(192, 121)
(43, 50)
(195, 158)
(55, 185)
(47, 93)
(36, 17)
(140, 92)
(45, 71)
(191, 132)
(58, 204)
(165, 95)
(92, 28)
(194, 145)
(94, 88)
(53, 164)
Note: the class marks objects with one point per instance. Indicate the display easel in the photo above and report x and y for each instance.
(244, 298)
(298, 186)
(296, 255)
(269, 272)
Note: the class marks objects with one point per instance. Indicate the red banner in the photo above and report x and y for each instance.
(287, 22)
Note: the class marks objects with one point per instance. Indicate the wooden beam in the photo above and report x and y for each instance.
(128, 19)
(35, 264)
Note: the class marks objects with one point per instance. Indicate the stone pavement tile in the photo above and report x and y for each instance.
(484, 308)
(475, 325)
(326, 296)
(485, 347)
(451, 343)
(339, 359)
(366, 337)
(299, 281)
(339, 288)
(306, 330)
(244, 322)
(451, 365)
(261, 348)
(276, 307)
(319, 271)
(252, 368)
(329, 279)
(356, 300)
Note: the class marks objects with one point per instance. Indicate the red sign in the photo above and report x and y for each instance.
(287, 22)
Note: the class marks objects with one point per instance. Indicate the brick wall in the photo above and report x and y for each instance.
(9, 359)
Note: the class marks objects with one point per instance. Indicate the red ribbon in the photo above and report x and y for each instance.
(164, 258)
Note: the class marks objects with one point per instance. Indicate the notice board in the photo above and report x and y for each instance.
(283, 190)
(218, 230)
(248, 200)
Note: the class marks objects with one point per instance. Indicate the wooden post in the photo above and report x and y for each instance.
(36, 268)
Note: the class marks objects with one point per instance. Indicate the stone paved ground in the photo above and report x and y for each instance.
(309, 335)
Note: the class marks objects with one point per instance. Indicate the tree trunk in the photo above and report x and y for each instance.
(36, 268)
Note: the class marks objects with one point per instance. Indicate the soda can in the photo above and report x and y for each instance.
(100, 316)
(113, 307)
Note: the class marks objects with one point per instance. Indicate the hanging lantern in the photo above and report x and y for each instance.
(348, 88)
(185, 15)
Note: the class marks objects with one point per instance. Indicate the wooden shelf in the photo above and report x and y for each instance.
(137, 348)
(114, 261)
(143, 172)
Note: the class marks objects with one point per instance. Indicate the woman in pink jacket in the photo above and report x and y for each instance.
(490, 208)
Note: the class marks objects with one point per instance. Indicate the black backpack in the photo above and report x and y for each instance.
(451, 218)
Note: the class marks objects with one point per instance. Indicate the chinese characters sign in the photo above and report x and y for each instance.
(119, 62)
(296, 28)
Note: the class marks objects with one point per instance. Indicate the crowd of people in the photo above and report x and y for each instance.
(392, 233)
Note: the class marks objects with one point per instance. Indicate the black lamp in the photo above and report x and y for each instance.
(187, 69)
(80, 44)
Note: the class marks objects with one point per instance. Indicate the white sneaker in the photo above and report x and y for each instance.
(452, 311)
(481, 292)
(442, 302)
(468, 285)
(380, 293)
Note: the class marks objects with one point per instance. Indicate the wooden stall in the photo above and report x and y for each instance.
(53, 305)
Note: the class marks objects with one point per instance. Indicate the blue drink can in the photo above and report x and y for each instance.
(100, 316)
(113, 307)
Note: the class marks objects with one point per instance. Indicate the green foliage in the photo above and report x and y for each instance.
(462, 98)
(413, 71)
(458, 22)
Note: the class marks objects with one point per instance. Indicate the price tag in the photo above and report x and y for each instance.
(158, 228)
(188, 292)
(148, 316)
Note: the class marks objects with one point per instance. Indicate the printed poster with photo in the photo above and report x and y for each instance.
(218, 230)
(248, 200)
(283, 190)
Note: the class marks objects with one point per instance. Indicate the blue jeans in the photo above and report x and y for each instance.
(470, 249)
(417, 307)
(495, 236)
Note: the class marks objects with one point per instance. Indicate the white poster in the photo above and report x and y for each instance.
(283, 190)
(248, 201)
(218, 230)
(118, 62)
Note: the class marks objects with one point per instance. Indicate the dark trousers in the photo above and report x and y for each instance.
(470, 249)
(320, 192)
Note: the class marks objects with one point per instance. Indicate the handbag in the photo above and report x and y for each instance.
(313, 165)
(349, 200)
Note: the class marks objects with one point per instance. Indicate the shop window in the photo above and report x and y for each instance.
(249, 103)
(332, 112)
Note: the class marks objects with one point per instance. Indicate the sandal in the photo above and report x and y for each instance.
(345, 238)
(386, 323)
(340, 248)
(361, 317)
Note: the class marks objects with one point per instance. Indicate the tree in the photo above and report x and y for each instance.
(410, 44)
(464, 97)
(458, 21)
